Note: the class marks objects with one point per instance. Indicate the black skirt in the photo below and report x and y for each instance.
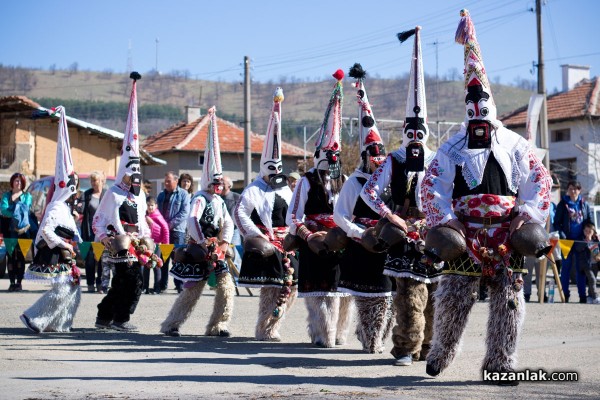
(404, 261)
(259, 271)
(318, 275)
(362, 272)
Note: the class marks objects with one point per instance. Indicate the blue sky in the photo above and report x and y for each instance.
(304, 39)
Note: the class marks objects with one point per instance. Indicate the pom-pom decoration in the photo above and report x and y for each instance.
(357, 72)
(465, 32)
(339, 75)
(135, 76)
(404, 36)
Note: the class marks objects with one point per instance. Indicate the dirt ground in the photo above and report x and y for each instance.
(90, 364)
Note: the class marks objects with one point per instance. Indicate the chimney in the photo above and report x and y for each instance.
(193, 113)
(573, 74)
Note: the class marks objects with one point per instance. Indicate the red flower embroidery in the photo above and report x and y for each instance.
(490, 199)
(475, 213)
(492, 214)
(474, 202)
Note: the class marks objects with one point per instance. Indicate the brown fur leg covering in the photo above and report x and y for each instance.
(428, 332)
(504, 326)
(374, 314)
(183, 307)
(410, 301)
(346, 312)
(223, 307)
(267, 303)
(454, 299)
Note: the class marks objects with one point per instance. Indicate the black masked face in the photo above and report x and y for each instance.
(136, 184)
(335, 166)
(277, 181)
(415, 157)
(479, 134)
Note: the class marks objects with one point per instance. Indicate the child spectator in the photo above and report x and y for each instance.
(591, 256)
(160, 234)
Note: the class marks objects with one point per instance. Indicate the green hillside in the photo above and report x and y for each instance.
(101, 98)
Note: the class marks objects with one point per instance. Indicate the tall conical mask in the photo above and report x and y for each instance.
(212, 172)
(479, 103)
(371, 146)
(415, 131)
(65, 180)
(328, 145)
(270, 161)
(130, 164)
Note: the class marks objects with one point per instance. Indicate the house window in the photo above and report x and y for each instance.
(200, 160)
(561, 135)
(565, 170)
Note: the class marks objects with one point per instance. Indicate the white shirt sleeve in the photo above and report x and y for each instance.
(436, 191)
(295, 214)
(379, 180)
(344, 208)
(196, 211)
(242, 213)
(534, 189)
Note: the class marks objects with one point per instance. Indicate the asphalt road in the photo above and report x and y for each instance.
(90, 364)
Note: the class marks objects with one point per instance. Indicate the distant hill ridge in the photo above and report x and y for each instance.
(101, 97)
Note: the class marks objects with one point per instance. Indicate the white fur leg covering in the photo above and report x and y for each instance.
(323, 312)
(223, 308)
(55, 310)
(266, 304)
(344, 320)
(183, 307)
(504, 326)
(453, 301)
(374, 314)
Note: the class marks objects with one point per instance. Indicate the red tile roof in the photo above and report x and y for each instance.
(577, 103)
(192, 137)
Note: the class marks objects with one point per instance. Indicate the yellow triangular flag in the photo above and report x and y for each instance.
(25, 245)
(97, 248)
(565, 246)
(166, 250)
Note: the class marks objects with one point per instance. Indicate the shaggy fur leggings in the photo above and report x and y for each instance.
(454, 299)
(375, 319)
(55, 310)
(267, 326)
(188, 298)
(329, 319)
(414, 318)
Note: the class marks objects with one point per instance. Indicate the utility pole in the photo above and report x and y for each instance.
(542, 85)
(156, 61)
(437, 91)
(247, 120)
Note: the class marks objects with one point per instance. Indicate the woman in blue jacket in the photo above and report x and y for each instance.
(572, 213)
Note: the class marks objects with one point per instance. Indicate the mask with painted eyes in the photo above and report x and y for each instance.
(479, 104)
(415, 130)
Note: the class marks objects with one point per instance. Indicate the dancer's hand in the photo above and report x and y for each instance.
(516, 223)
(106, 242)
(396, 220)
(223, 247)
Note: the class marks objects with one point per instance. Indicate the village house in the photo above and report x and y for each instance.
(573, 130)
(28, 143)
(182, 146)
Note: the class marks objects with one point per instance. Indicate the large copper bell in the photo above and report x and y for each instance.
(291, 242)
(258, 245)
(120, 244)
(531, 240)
(389, 234)
(370, 241)
(193, 253)
(316, 243)
(336, 239)
(444, 244)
